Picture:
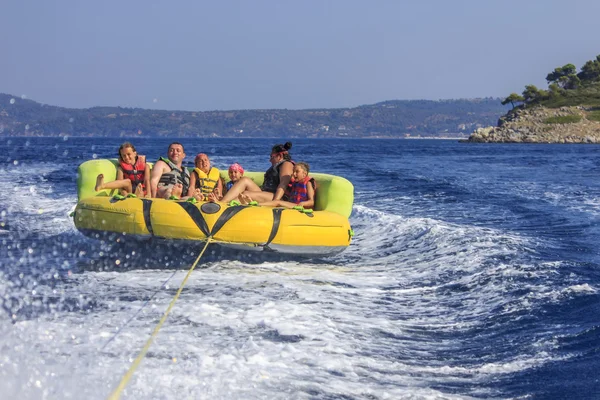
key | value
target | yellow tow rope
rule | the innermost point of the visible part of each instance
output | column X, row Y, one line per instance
column 116, row 394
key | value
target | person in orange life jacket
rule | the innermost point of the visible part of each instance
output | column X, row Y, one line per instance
column 235, row 173
column 169, row 178
column 301, row 191
column 133, row 173
column 276, row 180
column 205, row 179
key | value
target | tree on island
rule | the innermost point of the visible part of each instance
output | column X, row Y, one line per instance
column 590, row 71
column 512, row 99
column 532, row 94
column 565, row 87
column 565, row 77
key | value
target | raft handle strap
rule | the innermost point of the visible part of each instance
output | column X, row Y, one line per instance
column 147, row 205
column 225, row 217
column 303, row 210
column 276, row 221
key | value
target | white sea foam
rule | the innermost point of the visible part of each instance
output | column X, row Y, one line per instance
column 584, row 288
column 391, row 317
column 32, row 205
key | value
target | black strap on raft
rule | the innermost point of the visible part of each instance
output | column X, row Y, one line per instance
column 196, row 215
column 147, row 206
column 200, row 222
column 276, row 221
column 226, row 216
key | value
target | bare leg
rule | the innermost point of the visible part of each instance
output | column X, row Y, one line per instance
column 163, row 192
column 244, row 184
column 123, row 184
column 278, row 203
column 99, row 182
column 259, row 196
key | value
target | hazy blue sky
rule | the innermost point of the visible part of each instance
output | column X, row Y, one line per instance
column 215, row 55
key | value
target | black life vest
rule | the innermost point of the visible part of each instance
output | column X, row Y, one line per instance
column 175, row 176
column 271, row 179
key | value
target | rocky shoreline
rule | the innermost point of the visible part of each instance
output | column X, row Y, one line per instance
column 531, row 126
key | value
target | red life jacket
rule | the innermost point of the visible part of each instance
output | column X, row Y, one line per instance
column 299, row 190
column 135, row 173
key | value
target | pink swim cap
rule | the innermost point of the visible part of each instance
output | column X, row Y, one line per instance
column 236, row 167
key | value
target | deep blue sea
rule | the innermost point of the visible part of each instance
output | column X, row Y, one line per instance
column 474, row 273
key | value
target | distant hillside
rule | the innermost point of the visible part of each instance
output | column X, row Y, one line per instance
column 397, row 118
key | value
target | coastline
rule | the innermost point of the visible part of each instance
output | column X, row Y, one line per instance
column 66, row 137
column 564, row 125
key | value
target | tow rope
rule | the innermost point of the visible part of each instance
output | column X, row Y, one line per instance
column 116, row 394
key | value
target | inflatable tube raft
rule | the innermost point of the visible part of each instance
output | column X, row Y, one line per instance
column 320, row 232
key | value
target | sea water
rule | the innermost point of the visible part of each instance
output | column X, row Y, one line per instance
column 474, row 273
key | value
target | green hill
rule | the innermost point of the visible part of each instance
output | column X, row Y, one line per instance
column 397, row 118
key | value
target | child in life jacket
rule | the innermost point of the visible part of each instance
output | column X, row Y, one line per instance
column 235, row 174
column 133, row 173
column 301, row 191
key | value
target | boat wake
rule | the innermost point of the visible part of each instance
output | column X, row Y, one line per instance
column 415, row 307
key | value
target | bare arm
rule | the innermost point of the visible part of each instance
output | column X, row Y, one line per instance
column 310, row 203
column 147, row 179
column 218, row 190
column 119, row 173
column 285, row 175
column 192, row 184
column 157, row 172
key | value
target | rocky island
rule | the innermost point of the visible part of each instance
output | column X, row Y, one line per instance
column 574, row 124
column 568, row 112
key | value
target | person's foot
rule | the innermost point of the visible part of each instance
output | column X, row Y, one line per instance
column 244, row 199
column 212, row 198
column 198, row 195
column 139, row 192
column 177, row 190
column 99, row 182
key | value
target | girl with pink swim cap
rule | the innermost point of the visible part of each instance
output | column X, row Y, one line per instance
column 235, row 174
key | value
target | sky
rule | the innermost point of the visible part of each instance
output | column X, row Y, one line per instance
column 197, row 55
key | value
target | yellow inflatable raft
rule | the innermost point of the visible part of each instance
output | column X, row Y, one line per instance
column 320, row 232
